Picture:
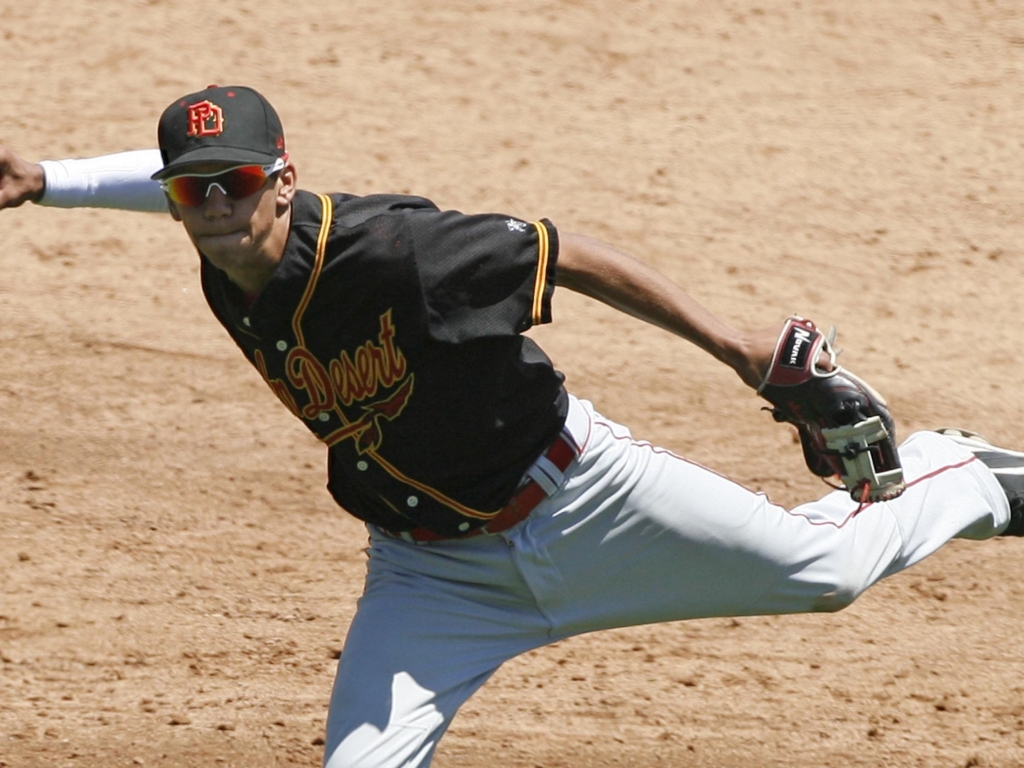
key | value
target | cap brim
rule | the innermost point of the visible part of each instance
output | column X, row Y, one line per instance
column 231, row 155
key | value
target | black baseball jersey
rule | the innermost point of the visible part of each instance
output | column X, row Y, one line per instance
column 393, row 330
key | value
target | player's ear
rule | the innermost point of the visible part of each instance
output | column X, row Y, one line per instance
column 286, row 185
column 175, row 214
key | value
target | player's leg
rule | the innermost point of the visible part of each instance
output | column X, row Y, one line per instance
column 640, row 535
column 432, row 626
column 636, row 535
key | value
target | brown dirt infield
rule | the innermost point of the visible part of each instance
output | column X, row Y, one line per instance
column 175, row 581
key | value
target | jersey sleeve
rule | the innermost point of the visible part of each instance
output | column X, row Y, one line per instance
column 120, row 180
column 483, row 275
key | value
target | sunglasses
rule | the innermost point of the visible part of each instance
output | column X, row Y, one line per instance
column 236, row 183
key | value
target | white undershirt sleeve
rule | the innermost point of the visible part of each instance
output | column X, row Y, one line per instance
column 119, row 181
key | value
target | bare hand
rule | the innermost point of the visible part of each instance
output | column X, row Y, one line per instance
column 20, row 181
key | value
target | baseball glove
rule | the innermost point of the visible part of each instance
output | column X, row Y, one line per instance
column 845, row 427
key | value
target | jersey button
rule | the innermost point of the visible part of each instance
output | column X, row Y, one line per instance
column 245, row 322
column 362, row 466
column 282, row 346
column 412, row 501
column 325, row 416
column 463, row 526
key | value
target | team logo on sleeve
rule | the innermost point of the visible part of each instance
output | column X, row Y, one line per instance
column 514, row 225
column 205, row 119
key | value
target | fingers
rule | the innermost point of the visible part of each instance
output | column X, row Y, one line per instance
column 20, row 181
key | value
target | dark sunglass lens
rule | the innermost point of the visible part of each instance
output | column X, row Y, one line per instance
column 242, row 182
column 187, row 190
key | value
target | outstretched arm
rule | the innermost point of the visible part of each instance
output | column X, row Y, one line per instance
column 120, row 180
column 590, row 267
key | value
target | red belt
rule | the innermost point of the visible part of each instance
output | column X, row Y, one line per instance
column 561, row 453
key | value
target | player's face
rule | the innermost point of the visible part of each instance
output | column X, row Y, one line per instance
column 244, row 237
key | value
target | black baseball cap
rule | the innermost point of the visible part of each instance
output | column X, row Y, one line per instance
column 226, row 124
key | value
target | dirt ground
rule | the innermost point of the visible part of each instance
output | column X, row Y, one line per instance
column 175, row 581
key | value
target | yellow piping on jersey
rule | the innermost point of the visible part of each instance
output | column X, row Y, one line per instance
column 431, row 492
column 327, row 214
column 540, row 282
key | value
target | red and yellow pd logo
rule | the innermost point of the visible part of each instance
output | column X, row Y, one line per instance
column 205, row 119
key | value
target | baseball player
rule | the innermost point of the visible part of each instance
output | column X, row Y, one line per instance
column 503, row 513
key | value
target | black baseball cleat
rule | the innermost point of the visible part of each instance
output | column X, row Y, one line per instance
column 1006, row 465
